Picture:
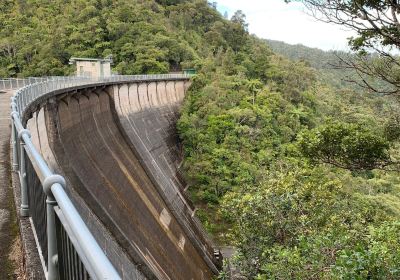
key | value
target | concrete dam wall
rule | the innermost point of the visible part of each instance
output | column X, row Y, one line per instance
column 118, row 149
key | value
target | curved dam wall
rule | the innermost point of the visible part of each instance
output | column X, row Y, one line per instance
column 117, row 147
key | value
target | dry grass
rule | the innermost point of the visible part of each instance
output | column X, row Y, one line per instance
column 16, row 257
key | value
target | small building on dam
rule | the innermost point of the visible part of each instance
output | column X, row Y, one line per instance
column 92, row 67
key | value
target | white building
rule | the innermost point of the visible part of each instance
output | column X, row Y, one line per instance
column 92, row 67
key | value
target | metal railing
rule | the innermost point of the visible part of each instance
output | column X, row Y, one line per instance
column 16, row 83
column 69, row 249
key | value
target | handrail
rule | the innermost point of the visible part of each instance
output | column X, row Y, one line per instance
column 17, row 83
column 37, row 87
column 89, row 251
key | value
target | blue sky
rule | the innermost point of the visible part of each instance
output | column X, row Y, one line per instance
column 274, row 19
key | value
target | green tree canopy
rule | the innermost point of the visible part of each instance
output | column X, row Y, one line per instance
column 344, row 145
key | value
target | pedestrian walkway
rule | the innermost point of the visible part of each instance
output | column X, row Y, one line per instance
column 8, row 223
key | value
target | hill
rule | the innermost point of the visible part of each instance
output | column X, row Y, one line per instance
column 316, row 58
column 323, row 61
column 38, row 37
column 326, row 63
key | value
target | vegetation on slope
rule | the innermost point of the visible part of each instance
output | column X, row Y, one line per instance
column 292, row 170
column 253, row 149
column 38, row 37
column 329, row 65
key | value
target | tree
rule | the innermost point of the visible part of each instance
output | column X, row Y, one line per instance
column 300, row 224
column 237, row 33
column 240, row 18
column 348, row 146
column 378, row 28
column 392, row 128
column 254, row 87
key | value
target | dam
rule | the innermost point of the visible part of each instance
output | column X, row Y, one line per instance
column 115, row 144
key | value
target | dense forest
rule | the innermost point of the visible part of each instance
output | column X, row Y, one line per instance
column 326, row 62
column 298, row 174
column 297, row 171
column 38, row 37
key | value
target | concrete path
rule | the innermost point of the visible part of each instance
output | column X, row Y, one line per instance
column 8, row 225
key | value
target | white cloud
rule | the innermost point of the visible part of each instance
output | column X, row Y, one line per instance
column 274, row 19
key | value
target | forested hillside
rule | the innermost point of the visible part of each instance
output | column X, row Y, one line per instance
column 327, row 63
column 316, row 58
column 299, row 175
column 38, row 37
column 297, row 171
column 324, row 62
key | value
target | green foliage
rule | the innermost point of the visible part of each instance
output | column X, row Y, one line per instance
column 328, row 65
column 392, row 128
column 38, row 37
column 298, row 223
column 232, row 128
column 251, row 124
column 375, row 257
column 350, row 146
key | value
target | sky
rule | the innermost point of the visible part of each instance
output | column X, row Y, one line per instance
column 276, row 20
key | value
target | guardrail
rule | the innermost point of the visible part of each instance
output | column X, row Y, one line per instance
column 69, row 249
column 16, row 83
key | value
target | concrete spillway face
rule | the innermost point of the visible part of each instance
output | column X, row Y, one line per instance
column 117, row 149
column 43, row 126
column 40, row 138
column 151, row 130
column 148, row 117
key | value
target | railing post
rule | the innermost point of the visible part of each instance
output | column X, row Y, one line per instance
column 22, row 175
column 14, row 136
column 52, row 254
column 14, row 145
